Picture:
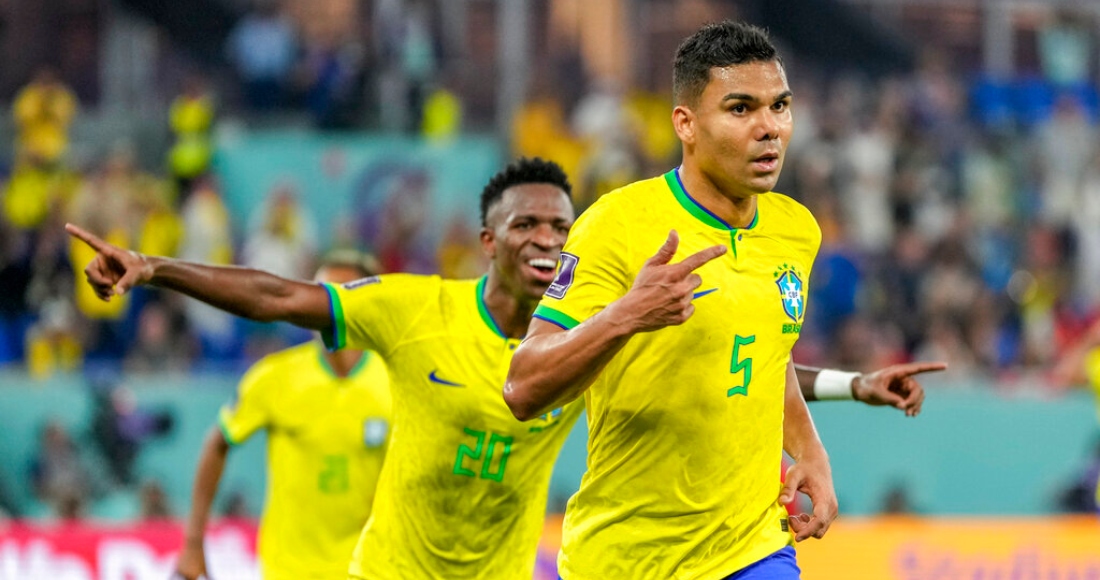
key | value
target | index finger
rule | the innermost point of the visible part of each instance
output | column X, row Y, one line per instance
column 696, row 260
column 86, row 237
column 916, row 368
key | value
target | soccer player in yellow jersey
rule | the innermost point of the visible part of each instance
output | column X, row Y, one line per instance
column 463, row 492
column 327, row 417
column 676, row 305
column 1079, row 366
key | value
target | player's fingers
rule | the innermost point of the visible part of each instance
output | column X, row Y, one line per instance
column 128, row 280
column 693, row 281
column 694, row 261
column 916, row 368
column 87, row 237
column 790, row 487
column 667, row 250
column 915, row 397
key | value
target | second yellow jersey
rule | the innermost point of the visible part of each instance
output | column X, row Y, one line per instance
column 463, row 494
column 327, row 438
column 685, row 423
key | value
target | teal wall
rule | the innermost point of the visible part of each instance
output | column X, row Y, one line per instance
column 354, row 177
column 970, row 452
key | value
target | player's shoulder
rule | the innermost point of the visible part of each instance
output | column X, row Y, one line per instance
column 271, row 371
column 796, row 219
column 624, row 205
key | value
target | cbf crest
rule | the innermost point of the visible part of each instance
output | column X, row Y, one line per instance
column 789, row 281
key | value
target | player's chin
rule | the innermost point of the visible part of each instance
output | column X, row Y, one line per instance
column 536, row 288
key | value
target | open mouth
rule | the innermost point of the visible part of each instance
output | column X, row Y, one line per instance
column 543, row 268
column 766, row 162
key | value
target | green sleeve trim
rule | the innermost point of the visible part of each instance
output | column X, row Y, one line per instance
column 225, row 430
column 336, row 337
column 553, row 316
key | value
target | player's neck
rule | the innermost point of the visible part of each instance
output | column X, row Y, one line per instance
column 343, row 362
column 512, row 314
column 736, row 210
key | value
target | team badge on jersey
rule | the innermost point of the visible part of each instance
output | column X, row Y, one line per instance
column 790, row 292
column 375, row 431
column 567, row 265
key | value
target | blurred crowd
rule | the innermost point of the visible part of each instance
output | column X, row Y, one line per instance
column 960, row 214
column 956, row 226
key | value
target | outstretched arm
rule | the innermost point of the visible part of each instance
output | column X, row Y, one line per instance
column 245, row 292
column 554, row 366
column 895, row 385
column 192, row 561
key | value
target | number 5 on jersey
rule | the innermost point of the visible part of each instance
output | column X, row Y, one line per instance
column 737, row 365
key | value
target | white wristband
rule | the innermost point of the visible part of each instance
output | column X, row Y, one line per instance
column 833, row 385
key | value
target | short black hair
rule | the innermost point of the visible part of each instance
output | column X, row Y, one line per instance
column 521, row 171
column 718, row 44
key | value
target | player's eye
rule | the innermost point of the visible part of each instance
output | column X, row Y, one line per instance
column 781, row 106
column 739, row 108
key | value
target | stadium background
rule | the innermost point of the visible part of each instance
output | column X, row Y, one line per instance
column 949, row 150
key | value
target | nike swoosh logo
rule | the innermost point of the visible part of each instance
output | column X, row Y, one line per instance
column 444, row 382
column 703, row 293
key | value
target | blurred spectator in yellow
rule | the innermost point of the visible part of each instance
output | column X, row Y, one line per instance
column 33, row 189
column 539, row 129
column 159, row 228
column 190, row 117
column 43, row 111
column 53, row 343
column 442, row 116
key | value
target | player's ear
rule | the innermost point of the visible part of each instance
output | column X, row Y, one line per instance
column 488, row 242
column 683, row 121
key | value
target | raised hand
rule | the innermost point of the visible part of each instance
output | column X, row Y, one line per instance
column 662, row 292
column 815, row 479
column 113, row 271
column 895, row 385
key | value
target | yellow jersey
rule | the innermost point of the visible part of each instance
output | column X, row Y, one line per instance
column 463, row 494
column 326, row 442
column 685, row 423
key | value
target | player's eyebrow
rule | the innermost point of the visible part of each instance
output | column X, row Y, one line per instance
column 753, row 99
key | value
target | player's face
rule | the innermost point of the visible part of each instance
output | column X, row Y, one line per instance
column 738, row 131
column 525, row 233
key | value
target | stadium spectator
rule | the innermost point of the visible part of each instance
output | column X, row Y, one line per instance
column 263, row 48
column 58, row 474
column 191, row 118
column 43, row 111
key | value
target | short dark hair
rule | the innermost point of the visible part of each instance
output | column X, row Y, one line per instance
column 718, row 44
column 363, row 263
column 521, row 171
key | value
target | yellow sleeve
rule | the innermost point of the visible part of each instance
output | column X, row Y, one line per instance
column 1092, row 371
column 375, row 313
column 592, row 270
column 251, row 409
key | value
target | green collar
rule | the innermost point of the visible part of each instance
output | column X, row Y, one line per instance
column 483, row 309
column 672, row 178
